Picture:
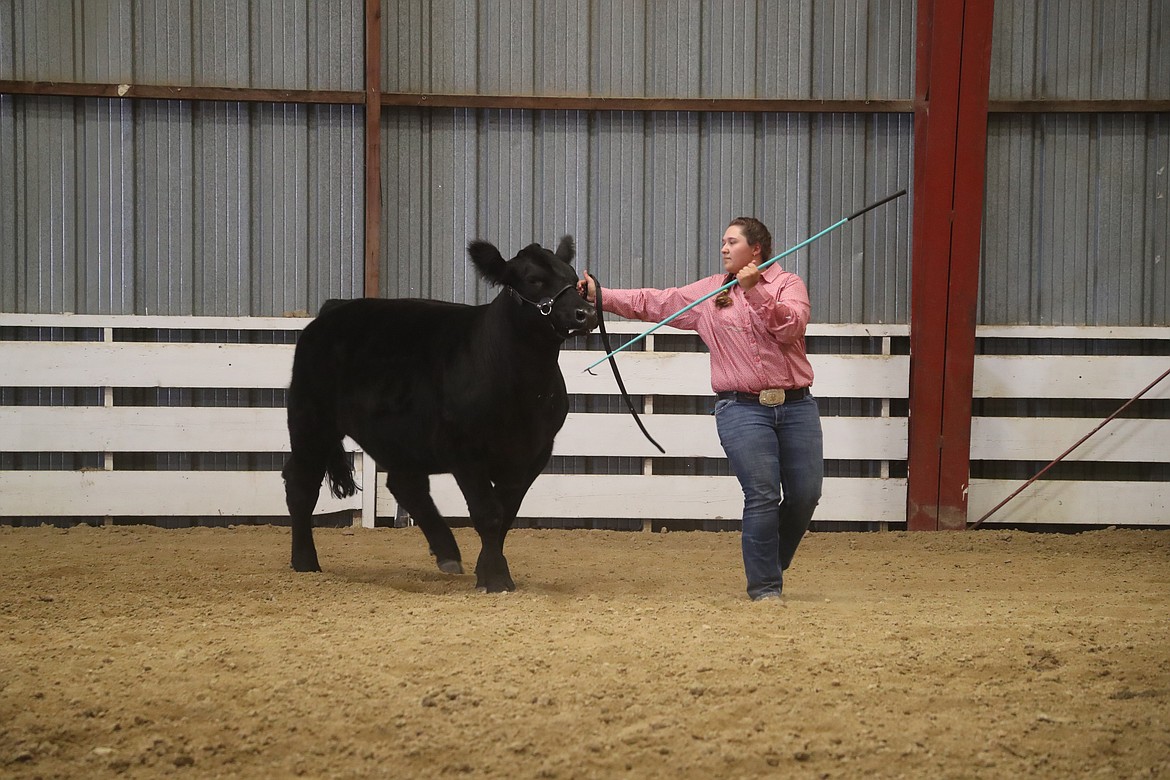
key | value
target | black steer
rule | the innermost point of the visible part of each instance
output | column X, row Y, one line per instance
column 428, row 387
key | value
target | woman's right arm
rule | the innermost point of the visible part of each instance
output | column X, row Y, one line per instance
column 648, row 304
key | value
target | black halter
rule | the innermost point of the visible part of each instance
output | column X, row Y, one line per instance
column 544, row 305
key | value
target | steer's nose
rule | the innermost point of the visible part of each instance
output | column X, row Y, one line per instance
column 586, row 317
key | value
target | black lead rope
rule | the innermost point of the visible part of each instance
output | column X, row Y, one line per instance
column 613, row 364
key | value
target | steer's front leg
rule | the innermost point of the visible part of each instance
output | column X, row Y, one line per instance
column 491, row 569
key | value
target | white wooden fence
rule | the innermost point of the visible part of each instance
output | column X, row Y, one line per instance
column 118, row 361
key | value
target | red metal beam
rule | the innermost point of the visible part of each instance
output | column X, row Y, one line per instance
column 966, row 232
column 950, row 136
column 373, row 150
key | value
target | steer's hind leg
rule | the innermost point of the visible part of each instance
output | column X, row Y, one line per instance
column 302, row 484
column 413, row 491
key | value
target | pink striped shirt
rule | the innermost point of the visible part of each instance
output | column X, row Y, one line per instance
column 756, row 343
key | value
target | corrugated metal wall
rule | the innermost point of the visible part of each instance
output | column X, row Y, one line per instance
column 165, row 207
column 1077, row 210
column 1076, row 220
column 821, row 49
column 647, row 194
column 233, row 208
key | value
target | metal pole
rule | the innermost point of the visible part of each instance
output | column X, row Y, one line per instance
column 371, row 286
column 1065, row 454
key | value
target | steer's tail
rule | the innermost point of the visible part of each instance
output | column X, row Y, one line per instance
column 340, row 472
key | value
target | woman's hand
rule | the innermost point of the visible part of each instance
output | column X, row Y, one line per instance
column 587, row 289
column 748, row 276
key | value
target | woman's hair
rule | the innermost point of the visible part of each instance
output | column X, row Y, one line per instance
column 755, row 232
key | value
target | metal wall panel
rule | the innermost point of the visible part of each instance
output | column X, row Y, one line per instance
column 1076, row 220
column 507, row 48
column 220, row 31
column 890, row 50
column 840, row 50
column 647, row 196
column 674, row 40
column 43, row 195
column 616, row 243
column 249, row 209
column 675, row 245
column 169, row 207
column 223, row 195
column 165, row 218
column 105, row 166
column 170, row 48
column 277, row 44
column 825, row 49
column 1156, row 266
column 1081, row 50
column 8, row 218
column 560, row 190
column 41, row 41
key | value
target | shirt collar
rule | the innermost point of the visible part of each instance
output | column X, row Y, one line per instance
column 771, row 272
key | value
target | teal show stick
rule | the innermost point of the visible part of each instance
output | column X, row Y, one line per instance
column 764, row 265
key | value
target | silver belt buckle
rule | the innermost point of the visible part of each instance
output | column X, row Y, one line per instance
column 772, row 397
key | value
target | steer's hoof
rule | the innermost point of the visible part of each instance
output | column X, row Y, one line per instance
column 450, row 566
column 306, row 565
column 496, row 585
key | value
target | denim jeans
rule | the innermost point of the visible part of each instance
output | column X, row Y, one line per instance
column 776, row 453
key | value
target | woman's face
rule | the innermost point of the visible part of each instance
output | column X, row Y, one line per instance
column 737, row 252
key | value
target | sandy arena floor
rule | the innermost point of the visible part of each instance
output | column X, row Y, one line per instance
column 137, row 652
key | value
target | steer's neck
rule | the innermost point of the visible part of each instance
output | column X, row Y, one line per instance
column 521, row 331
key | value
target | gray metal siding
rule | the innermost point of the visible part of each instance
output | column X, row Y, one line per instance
column 236, row 209
column 1076, row 214
column 647, row 196
column 277, row 44
column 1076, row 220
column 828, row 49
column 1081, row 49
column 164, row 207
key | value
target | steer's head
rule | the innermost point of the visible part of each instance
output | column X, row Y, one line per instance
column 542, row 282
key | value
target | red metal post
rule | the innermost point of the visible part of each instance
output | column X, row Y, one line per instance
column 373, row 149
column 966, row 233
column 950, row 137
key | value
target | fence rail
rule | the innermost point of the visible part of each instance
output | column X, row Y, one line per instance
column 105, row 355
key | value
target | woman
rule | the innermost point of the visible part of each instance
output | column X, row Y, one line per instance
column 767, row 420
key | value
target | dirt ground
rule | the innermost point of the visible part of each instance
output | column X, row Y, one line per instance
column 138, row 652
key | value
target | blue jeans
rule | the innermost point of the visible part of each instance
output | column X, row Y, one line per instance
column 777, row 454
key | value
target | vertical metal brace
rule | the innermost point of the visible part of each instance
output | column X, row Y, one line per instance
column 108, row 403
column 885, row 464
column 368, row 514
column 648, row 408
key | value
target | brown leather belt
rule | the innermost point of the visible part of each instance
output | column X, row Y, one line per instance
column 771, row 397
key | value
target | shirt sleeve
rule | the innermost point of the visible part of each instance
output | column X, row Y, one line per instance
column 650, row 305
column 783, row 310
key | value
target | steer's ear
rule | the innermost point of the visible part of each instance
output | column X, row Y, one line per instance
column 567, row 250
column 488, row 261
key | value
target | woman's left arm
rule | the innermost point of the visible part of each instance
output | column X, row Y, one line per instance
column 781, row 308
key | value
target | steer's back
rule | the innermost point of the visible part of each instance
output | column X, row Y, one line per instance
column 419, row 384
